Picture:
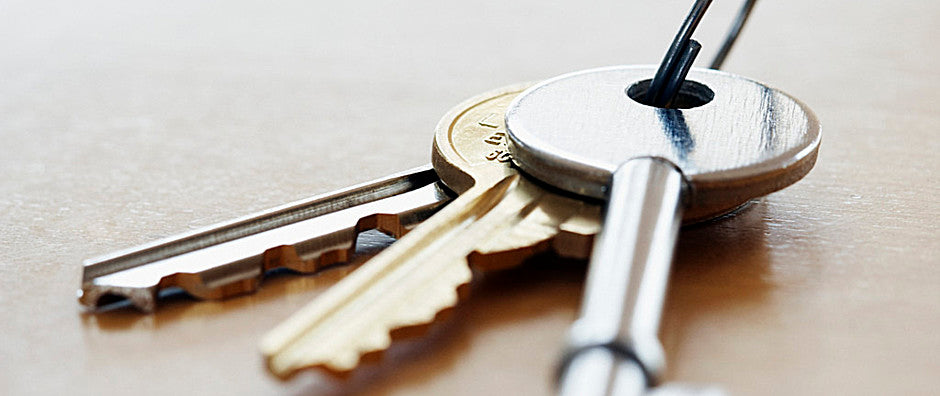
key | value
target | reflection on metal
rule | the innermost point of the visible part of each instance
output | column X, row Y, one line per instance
column 677, row 131
column 231, row 258
column 582, row 133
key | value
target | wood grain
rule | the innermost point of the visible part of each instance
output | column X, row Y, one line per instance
column 124, row 122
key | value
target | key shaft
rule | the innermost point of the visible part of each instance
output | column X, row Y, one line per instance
column 626, row 283
column 230, row 258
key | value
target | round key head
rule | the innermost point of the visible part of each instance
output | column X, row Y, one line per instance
column 733, row 138
column 470, row 142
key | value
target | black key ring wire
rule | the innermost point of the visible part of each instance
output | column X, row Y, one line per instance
column 681, row 54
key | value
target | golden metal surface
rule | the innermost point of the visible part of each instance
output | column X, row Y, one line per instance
column 416, row 279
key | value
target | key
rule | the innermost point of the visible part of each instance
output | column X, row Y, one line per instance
column 230, row 258
column 498, row 219
column 727, row 140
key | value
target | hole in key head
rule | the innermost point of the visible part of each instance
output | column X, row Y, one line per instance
column 691, row 95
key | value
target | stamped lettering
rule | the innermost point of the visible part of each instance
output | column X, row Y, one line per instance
column 496, row 138
column 499, row 155
column 490, row 121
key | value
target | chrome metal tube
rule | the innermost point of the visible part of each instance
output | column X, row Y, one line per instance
column 613, row 345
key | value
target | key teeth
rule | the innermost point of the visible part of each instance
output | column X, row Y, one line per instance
column 95, row 297
column 418, row 187
column 378, row 341
column 341, row 367
column 403, row 288
column 144, row 298
column 333, row 370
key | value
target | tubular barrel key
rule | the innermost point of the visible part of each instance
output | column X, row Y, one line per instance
column 726, row 140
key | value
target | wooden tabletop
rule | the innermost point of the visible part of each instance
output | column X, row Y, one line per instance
column 122, row 123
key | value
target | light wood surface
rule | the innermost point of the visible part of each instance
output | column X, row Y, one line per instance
column 121, row 123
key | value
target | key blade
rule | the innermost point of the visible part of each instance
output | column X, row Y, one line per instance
column 406, row 287
column 230, row 258
column 409, row 284
column 562, row 225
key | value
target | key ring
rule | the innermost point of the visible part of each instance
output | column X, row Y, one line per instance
column 683, row 51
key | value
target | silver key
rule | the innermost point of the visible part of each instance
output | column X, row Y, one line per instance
column 231, row 258
column 733, row 140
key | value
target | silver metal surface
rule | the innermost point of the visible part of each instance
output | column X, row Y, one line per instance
column 229, row 258
column 728, row 140
column 574, row 130
column 626, row 282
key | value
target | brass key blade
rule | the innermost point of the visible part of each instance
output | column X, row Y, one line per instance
column 405, row 285
column 499, row 221
column 559, row 224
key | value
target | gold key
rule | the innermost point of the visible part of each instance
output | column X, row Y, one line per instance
column 499, row 213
